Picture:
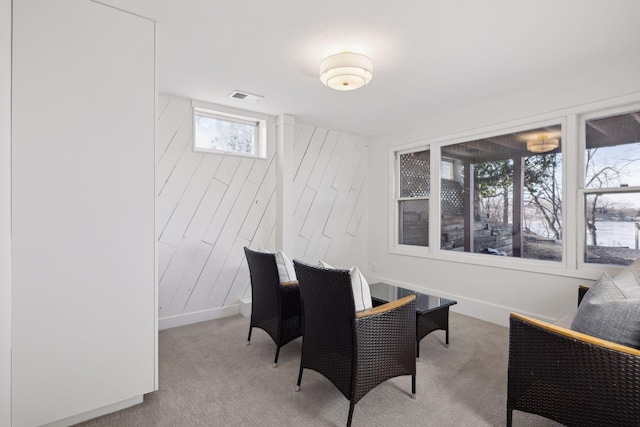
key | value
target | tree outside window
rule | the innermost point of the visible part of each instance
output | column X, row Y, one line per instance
column 505, row 200
column 612, row 189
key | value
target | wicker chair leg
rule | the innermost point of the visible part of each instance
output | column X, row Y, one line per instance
column 413, row 386
column 299, row 378
column 275, row 361
column 351, row 406
column 509, row 417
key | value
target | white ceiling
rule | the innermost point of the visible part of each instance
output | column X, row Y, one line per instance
column 430, row 56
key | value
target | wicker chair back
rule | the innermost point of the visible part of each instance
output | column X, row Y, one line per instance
column 275, row 309
column 328, row 345
column 356, row 352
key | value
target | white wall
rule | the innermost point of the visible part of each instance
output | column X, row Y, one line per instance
column 83, row 243
column 210, row 206
column 486, row 292
column 5, row 212
column 330, row 196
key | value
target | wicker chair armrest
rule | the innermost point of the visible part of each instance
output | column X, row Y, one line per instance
column 577, row 335
column 292, row 283
column 570, row 377
column 385, row 307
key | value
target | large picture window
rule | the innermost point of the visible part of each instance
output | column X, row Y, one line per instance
column 612, row 189
column 502, row 195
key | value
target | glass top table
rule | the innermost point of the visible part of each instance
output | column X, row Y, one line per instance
column 432, row 312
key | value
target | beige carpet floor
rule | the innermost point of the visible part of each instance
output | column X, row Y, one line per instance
column 210, row 377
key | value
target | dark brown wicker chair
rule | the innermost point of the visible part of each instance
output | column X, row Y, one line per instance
column 355, row 351
column 570, row 377
column 275, row 306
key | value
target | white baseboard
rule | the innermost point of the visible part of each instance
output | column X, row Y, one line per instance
column 245, row 307
column 198, row 316
column 96, row 412
column 470, row 307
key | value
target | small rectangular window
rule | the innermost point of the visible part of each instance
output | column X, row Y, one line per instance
column 218, row 131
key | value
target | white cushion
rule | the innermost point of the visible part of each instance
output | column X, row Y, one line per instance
column 286, row 271
column 360, row 287
column 285, row 268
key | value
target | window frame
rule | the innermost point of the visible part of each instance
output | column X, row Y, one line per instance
column 583, row 192
column 220, row 112
column 394, row 210
column 433, row 250
column 521, row 263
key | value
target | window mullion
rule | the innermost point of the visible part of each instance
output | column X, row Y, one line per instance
column 572, row 206
column 434, row 203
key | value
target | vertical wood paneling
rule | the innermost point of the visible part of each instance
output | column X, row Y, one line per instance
column 211, row 206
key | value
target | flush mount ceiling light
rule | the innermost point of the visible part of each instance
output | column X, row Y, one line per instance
column 542, row 144
column 346, row 71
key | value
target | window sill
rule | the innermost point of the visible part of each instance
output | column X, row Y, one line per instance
column 508, row 263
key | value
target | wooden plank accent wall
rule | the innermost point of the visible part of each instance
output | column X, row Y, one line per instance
column 330, row 196
column 210, row 206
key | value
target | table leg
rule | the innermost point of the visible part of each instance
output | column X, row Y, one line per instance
column 431, row 321
column 447, row 328
column 417, row 339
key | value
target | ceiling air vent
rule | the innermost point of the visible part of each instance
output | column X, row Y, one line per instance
column 244, row 96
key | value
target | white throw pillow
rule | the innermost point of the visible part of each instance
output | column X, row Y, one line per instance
column 286, row 271
column 360, row 287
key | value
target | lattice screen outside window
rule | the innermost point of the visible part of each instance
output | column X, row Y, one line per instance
column 413, row 198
